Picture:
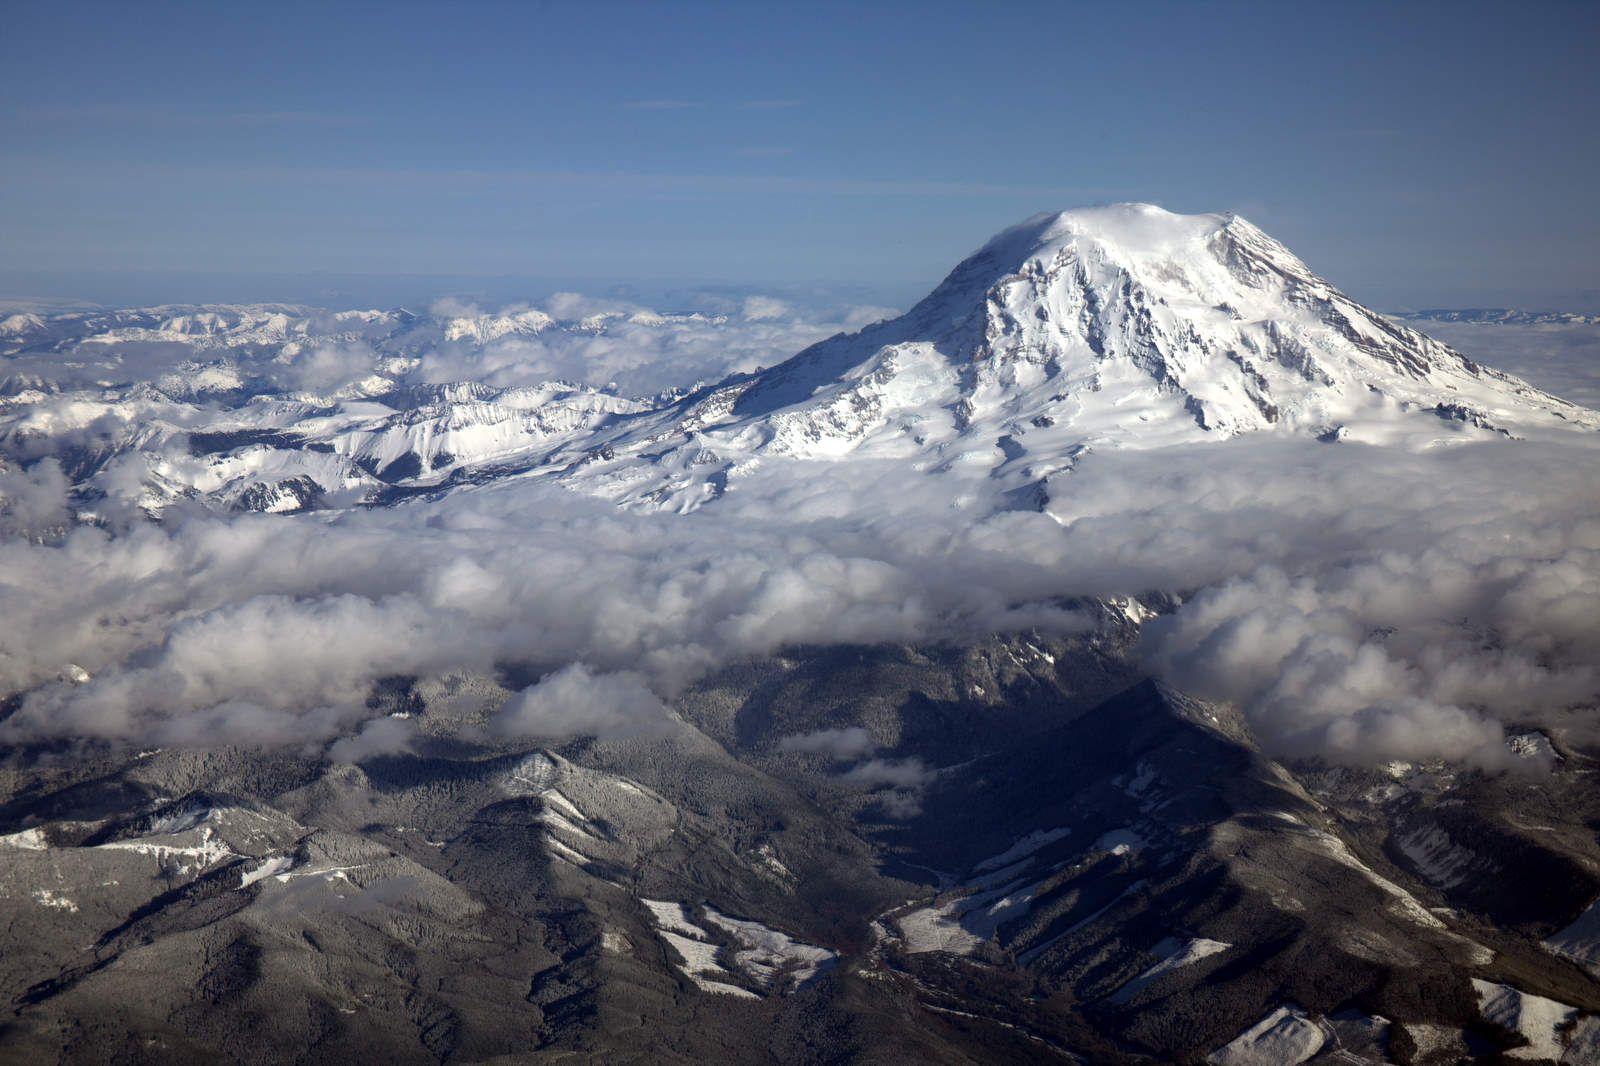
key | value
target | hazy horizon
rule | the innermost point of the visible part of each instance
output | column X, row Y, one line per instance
column 1410, row 155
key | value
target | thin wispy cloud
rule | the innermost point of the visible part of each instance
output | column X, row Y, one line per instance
column 176, row 118
column 672, row 104
column 1369, row 133
column 660, row 105
column 643, row 183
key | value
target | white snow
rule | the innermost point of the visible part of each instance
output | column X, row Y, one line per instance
column 961, row 924
column 1583, row 1042
column 1025, row 845
column 1131, row 609
column 1119, row 841
column 562, row 850
column 1436, row 857
column 696, row 954
column 556, row 820
column 1533, row 746
column 1115, row 327
column 1144, row 776
column 1534, row 1017
column 180, row 820
column 27, row 840
column 1407, row 904
column 536, row 775
column 773, row 958
column 208, row 850
column 554, row 798
column 269, row 867
column 672, row 916
column 46, row 898
column 768, row 857
column 721, row 989
column 1174, row 954
column 1285, row 1037
column 1125, row 327
column 937, row 928
column 1580, row 941
column 330, row 872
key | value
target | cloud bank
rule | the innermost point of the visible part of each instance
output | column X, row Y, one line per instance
column 1360, row 603
column 1561, row 358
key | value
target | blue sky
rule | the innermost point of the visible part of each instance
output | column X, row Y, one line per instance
column 1418, row 155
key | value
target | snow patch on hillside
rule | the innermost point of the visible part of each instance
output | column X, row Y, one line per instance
column 1536, row 1018
column 1286, row 1036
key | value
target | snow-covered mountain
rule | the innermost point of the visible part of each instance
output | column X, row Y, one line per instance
column 231, row 328
column 816, row 772
column 1502, row 316
column 1114, row 327
column 283, row 407
column 1124, row 326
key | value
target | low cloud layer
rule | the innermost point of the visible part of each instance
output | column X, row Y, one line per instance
column 574, row 701
column 1562, row 358
column 1359, row 603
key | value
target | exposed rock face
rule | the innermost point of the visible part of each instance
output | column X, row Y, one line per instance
column 1045, row 860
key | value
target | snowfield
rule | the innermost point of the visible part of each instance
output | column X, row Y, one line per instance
column 773, row 961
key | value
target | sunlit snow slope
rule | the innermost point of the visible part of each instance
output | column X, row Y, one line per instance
column 1123, row 326
column 1112, row 327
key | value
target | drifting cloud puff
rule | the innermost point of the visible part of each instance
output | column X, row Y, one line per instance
column 33, row 501
column 324, row 368
column 573, row 701
column 897, row 784
column 379, row 736
column 847, row 743
column 888, row 773
column 762, row 308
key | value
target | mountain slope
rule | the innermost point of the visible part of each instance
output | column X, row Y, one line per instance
column 1078, row 871
column 1114, row 327
column 1124, row 326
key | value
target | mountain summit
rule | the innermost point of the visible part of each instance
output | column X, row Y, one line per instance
column 1120, row 326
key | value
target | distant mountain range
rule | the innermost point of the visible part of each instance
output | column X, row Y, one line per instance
column 1502, row 316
